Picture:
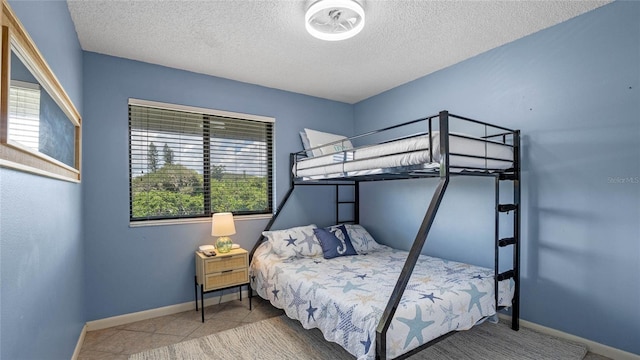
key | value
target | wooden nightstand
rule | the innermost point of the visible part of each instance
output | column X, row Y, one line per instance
column 220, row 272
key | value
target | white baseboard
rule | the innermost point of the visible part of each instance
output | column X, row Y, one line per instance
column 76, row 352
column 592, row 346
column 162, row 311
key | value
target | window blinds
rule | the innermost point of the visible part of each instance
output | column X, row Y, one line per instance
column 24, row 114
column 190, row 164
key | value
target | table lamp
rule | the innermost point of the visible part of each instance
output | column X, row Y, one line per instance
column 222, row 225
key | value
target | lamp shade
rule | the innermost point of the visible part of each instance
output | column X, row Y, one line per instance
column 222, row 224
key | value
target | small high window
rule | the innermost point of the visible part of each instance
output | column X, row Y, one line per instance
column 24, row 114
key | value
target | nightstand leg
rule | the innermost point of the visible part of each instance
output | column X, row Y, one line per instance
column 195, row 287
column 249, row 288
column 202, row 301
column 240, row 291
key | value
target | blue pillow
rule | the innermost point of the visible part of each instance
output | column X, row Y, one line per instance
column 335, row 242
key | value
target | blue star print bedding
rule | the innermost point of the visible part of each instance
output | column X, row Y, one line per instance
column 345, row 296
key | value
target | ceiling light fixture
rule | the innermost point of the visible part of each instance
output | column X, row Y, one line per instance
column 334, row 20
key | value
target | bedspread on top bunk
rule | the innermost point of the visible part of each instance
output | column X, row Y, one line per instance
column 409, row 153
column 345, row 296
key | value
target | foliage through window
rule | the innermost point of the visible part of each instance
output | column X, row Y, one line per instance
column 190, row 162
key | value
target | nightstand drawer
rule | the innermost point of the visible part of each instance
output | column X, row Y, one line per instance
column 226, row 278
column 223, row 263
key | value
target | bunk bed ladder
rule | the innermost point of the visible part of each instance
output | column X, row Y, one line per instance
column 353, row 201
column 511, row 209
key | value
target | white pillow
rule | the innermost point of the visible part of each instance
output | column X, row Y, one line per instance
column 295, row 242
column 305, row 143
column 361, row 240
column 318, row 138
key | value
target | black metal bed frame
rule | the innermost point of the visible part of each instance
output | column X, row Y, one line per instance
column 443, row 173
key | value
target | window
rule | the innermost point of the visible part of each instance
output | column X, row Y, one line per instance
column 189, row 162
column 24, row 114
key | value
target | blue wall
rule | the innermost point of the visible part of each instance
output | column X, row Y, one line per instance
column 41, row 266
column 134, row 269
column 573, row 90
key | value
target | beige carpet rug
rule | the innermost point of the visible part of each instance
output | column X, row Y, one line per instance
column 281, row 338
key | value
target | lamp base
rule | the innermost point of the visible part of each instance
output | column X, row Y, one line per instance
column 224, row 244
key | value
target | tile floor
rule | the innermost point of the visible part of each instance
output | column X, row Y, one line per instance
column 119, row 342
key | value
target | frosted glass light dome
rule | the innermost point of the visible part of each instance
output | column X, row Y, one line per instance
column 334, row 20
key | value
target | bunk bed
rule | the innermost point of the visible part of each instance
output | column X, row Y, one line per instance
column 366, row 302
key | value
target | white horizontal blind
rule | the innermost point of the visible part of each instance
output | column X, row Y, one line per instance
column 24, row 114
column 191, row 164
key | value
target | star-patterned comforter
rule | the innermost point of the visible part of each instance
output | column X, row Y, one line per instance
column 344, row 297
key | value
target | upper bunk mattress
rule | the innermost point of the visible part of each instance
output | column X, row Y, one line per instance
column 410, row 153
column 345, row 296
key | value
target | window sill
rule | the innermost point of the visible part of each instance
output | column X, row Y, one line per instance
column 194, row 220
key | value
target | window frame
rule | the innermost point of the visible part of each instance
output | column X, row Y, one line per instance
column 207, row 211
column 15, row 40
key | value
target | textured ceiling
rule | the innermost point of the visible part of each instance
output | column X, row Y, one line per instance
column 264, row 42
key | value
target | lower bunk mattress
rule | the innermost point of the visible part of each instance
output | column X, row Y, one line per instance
column 345, row 296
